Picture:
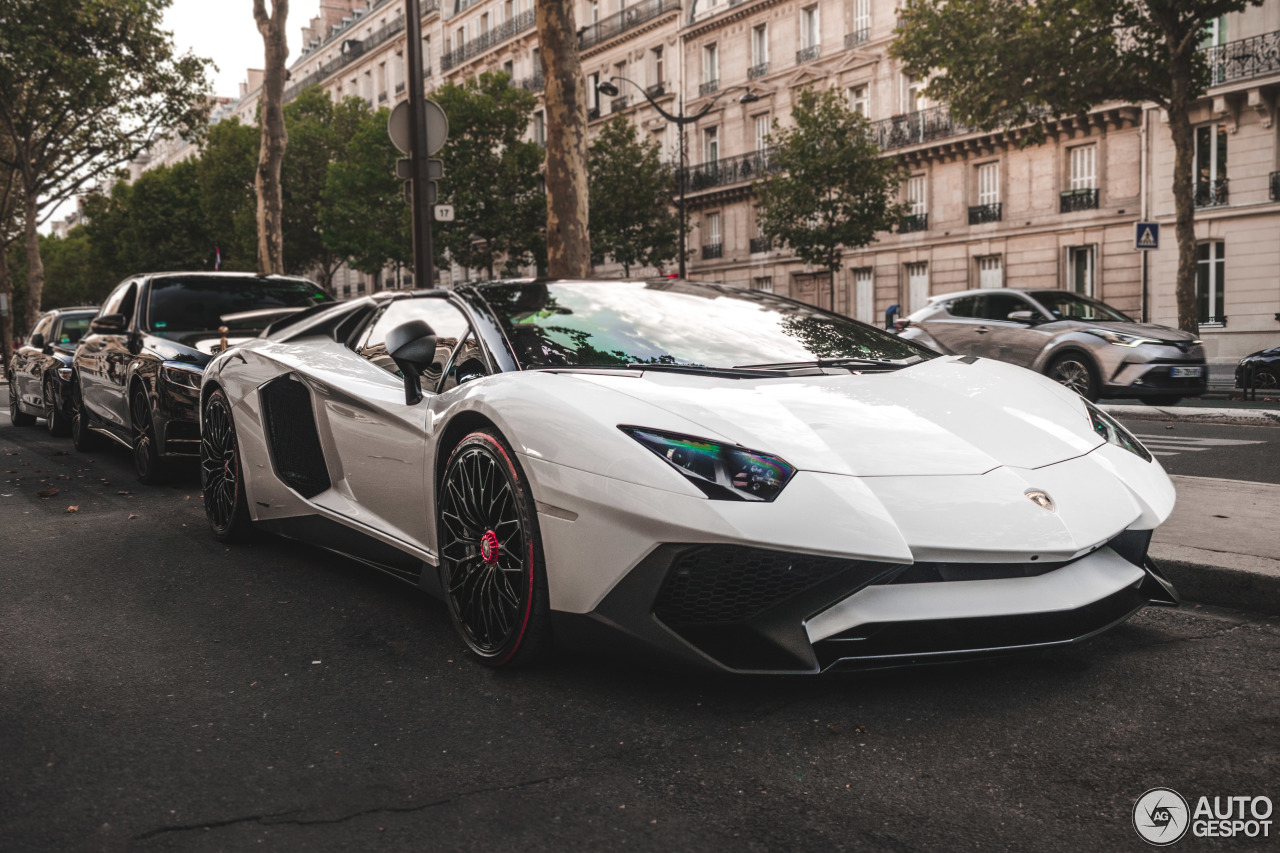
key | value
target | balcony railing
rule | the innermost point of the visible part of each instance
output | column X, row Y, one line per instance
column 708, row 87
column 382, row 96
column 760, row 244
column 1070, row 201
column 1211, row 193
column 399, row 88
column 916, row 127
column 657, row 90
column 808, row 54
column 758, row 70
column 1244, row 59
column 593, row 113
column 628, row 18
column 1275, row 186
column 712, row 251
column 507, row 29
column 730, row 170
column 390, row 30
column 857, row 37
column 618, row 104
column 913, row 222
column 980, row 214
column 536, row 83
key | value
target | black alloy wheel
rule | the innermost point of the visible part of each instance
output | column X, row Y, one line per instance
column 491, row 563
column 16, row 416
column 1075, row 372
column 146, row 451
column 54, row 419
column 221, row 477
column 1264, row 379
column 84, row 439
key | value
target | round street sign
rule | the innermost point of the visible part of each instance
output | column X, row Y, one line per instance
column 437, row 126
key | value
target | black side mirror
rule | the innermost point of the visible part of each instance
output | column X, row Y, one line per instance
column 108, row 324
column 412, row 346
column 37, row 340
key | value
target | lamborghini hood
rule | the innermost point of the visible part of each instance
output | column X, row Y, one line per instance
column 947, row 416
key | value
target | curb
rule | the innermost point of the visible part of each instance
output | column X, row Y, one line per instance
column 1195, row 414
column 1223, row 587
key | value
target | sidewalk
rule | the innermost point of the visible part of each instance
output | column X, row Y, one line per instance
column 1220, row 545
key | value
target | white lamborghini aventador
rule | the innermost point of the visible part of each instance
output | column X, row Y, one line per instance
column 696, row 473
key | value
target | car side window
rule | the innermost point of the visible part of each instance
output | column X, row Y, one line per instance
column 122, row 301
column 71, row 330
column 43, row 328
column 1000, row 305
column 448, row 322
column 966, row 306
column 467, row 365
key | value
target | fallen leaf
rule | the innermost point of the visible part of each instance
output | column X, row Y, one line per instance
column 122, row 493
column 73, row 509
column 48, row 493
column 131, row 515
column 60, row 453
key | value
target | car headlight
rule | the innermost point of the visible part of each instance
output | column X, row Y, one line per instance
column 721, row 471
column 1121, row 339
column 182, row 375
column 1109, row 428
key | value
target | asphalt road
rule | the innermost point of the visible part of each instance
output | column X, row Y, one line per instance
column 159, row 691
column 1213, row 450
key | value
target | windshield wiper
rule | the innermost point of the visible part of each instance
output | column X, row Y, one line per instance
column 836, row 362
column 696, row 369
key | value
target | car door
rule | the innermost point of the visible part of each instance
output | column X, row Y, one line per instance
column 379, row 446
column 102, row 360
column 26, row 364
column 1010, row 340
column 954, row 324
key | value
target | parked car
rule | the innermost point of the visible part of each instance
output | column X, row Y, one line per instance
column 1265, row 364
column 1081, row 342
column 40, row 369
column 698, row 473
column 136, row 374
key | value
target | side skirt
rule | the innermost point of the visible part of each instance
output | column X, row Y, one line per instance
column 340, row 539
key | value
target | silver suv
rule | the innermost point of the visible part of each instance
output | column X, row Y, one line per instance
column 1083, row 343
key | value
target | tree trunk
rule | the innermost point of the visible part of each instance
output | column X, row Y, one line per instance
column 274, row 137
column 568, row 240
column 35, row 266
column 6, row 321
column 1184, row 193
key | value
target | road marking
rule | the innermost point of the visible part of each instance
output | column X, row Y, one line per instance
column 1172, row 445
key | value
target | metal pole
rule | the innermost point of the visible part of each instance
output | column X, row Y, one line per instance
column 682, row 177
column 422, row 252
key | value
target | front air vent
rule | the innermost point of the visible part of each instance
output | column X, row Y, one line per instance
column 290, row 422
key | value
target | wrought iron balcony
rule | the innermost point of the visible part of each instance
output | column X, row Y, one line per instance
column 593, row 113
column 382, row 96
column 913, row 222
column 857, row 37
column 618, row 104
column 657, row 90
column 708, row 87
column 1070, row 201
column 507, row 29
column 629, row 18
column 730, row 170
column 1211, row 193
column 536, row 83
column 712, row 251
column 980, row 214
column 758, row 70
column 399, row 88
column 1275, row 186
column 1244, row 59
column 808, row 54
column 916, row 127
column 761, row 244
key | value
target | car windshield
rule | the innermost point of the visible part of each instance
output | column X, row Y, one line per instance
column 1072, row 306
column 180, row 306
column 73, row 328
column 678, row 323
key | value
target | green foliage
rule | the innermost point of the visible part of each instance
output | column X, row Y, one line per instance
column 491, row 176
column 364, row 217
column 833, row 190
column 228, row 200
column 71, row 276
column 632, row 220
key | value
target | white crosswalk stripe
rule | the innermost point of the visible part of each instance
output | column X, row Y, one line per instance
column 1172, row 445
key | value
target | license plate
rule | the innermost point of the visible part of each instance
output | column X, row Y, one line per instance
column 1188, row 372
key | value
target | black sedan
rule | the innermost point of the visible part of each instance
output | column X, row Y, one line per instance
column 1265, row 366
column 136, row 374
column 40, row 370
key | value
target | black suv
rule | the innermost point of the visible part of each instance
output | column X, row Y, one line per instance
column 136, row 374
column 40, row 370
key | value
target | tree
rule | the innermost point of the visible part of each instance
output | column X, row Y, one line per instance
column 274, row 136
column 568, row 238
column 364, row 216
column 10, row 231
column 228, row 196
column 85, row 86
column 491, row 176
column 631, row 216
column 831, row 189
column 73, row 277
column 1013, row 63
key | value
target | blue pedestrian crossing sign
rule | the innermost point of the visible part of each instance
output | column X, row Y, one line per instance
column 1146, row 236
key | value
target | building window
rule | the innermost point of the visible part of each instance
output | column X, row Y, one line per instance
column 1084, row 174
column 1210, row 280
column 764, row 282
column 917, row 286
column 1080, row 270
column 711, row 145
column 710, row 69
column 760, row 45
column 862, row 19
column 712, row 242
column 990, row 272
column 989, row 183
column 810, row 34
column 864, row 295
column 762, row 132
column 593, row 95
column 860, row 100
column 656, row 65
column 593, row 14
column 540, row 128
column 913, row 99
column 917, row 204
column 509, row 68
column 1211, row 165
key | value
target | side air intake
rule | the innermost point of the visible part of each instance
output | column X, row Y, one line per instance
column 291, row 431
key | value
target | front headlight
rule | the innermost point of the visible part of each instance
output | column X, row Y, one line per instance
column 721, row 471
column 1121, row 339
column 1109, row 428
column 182, row 375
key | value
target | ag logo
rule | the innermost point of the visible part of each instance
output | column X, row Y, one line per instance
column 1161, row 816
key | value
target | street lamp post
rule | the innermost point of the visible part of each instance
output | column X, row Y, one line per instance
column 610, row 89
